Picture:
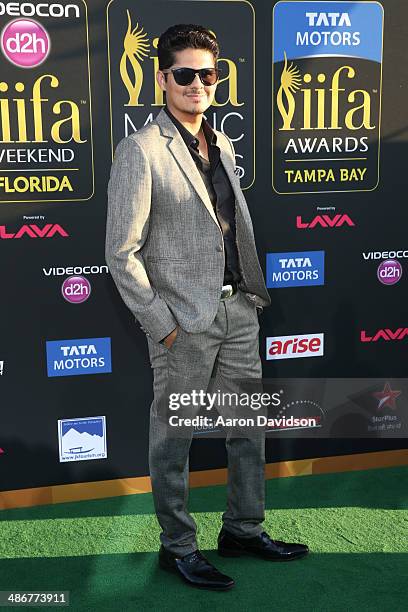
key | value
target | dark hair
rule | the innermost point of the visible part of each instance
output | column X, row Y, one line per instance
column 184, row 36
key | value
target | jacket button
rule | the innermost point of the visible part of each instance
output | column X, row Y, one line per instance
column 219, row 248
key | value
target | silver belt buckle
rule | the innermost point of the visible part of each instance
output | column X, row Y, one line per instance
column 226, row 291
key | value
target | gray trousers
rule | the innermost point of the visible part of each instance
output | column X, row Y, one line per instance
column 228, row 350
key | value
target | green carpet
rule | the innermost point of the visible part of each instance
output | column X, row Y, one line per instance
column 105, row 551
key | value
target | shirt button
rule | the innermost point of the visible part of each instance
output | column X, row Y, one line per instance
column 219, row 248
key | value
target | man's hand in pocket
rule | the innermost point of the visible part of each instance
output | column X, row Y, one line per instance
column 168, row 340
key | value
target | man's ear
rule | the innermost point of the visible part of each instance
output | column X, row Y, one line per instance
column 161, row 80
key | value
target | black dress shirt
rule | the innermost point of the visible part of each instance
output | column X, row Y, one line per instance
column 219, row 190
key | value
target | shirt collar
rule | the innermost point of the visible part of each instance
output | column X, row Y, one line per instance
column 188, row 137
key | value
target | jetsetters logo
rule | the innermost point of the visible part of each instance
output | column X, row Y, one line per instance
column 327, row 59
column 136, row 98
column 46, row 152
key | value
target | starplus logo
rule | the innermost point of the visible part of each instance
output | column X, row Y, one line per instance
column 387, row 397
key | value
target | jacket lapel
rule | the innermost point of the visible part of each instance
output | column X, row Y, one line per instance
column 183, row 158
column 229, row 169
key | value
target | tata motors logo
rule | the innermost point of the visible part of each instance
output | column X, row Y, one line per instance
column 46, row 148
column 327, row 75
column 76, row 357
column 82, row 439
column 292, row 347
column 294, row 269
column 136, row 98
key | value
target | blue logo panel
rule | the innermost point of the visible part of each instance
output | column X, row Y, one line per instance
column 348, row 29
column 295, row 269
column 79, row 356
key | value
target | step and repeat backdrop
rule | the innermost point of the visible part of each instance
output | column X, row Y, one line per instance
column 314, row 96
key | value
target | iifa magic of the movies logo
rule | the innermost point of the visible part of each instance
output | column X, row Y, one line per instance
column 136, row 48
column 45, row 117
column 136, row 97
column 327, row 87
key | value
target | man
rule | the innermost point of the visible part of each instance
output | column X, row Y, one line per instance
column 180, row 247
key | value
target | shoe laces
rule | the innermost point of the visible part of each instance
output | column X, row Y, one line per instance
column 195, row 557
column 267, row 537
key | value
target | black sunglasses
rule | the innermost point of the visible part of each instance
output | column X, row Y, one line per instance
column 185, row 76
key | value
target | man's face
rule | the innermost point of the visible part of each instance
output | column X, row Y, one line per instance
column 190, row 99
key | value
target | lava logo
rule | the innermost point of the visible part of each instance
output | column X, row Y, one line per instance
column 324, row 221
column 295, row 269
column 76, row 289
column 327, row 76
column 135, row 96
column 291, row 347
column 33, row 231
column 82, row 439
column 76, row 357
column 385, row 334
column 386, row 398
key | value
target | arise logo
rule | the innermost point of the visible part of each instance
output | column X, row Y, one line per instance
column 291, row 347
column 324, row 221
column 384, row 334
column 33, row 231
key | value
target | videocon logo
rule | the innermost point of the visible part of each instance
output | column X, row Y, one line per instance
column 136, row 97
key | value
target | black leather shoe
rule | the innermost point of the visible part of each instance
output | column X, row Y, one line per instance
column 195, row 570
column 262, row 546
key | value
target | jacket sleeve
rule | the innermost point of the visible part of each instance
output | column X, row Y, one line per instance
column 129, row 203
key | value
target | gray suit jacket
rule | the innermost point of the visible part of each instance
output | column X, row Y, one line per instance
column 164, row 246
